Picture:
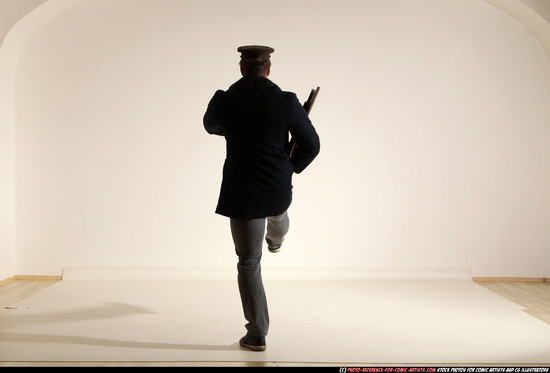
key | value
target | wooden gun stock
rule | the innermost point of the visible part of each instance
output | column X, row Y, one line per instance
column 307, row 106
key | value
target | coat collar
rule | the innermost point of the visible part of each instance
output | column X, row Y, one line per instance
column 253, row 82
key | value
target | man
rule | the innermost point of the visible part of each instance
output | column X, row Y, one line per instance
column 255, row 116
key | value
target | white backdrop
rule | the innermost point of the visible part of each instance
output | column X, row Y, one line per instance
column 433, row 117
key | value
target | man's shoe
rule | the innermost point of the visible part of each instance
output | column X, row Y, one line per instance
column 273, row 247
column 253, row 343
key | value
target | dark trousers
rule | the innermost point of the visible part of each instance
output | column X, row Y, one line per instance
column 248, row 236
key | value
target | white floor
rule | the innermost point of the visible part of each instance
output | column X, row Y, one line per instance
column 323, row 316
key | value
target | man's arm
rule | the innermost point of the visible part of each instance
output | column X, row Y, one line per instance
column 210, row 120
column 307, row 107
column 304, row 135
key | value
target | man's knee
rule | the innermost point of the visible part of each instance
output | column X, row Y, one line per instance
column 249, row 264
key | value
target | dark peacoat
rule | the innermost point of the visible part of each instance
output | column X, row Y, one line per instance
column 255, row 116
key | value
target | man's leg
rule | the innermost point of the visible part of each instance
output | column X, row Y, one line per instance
column 248, row 237
column 277, row 228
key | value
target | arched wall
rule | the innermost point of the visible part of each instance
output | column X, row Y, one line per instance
column 533, row 14
column 17, row 28
column 433, row 118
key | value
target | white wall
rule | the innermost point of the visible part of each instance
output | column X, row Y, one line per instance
column 7, row 183
column 433, row 118
column 15, row 27
column 11, row 11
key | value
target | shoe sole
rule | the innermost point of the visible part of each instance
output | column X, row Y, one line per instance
column 253, row 347
column 274, row 249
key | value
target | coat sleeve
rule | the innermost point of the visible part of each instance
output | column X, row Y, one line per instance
column 211, row 121
column 304, row 135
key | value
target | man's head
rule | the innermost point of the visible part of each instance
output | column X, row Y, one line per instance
column 255, row 60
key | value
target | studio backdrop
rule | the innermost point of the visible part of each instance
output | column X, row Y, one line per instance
column 433, row 115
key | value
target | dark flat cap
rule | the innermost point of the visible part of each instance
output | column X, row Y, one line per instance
column 255, row 51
